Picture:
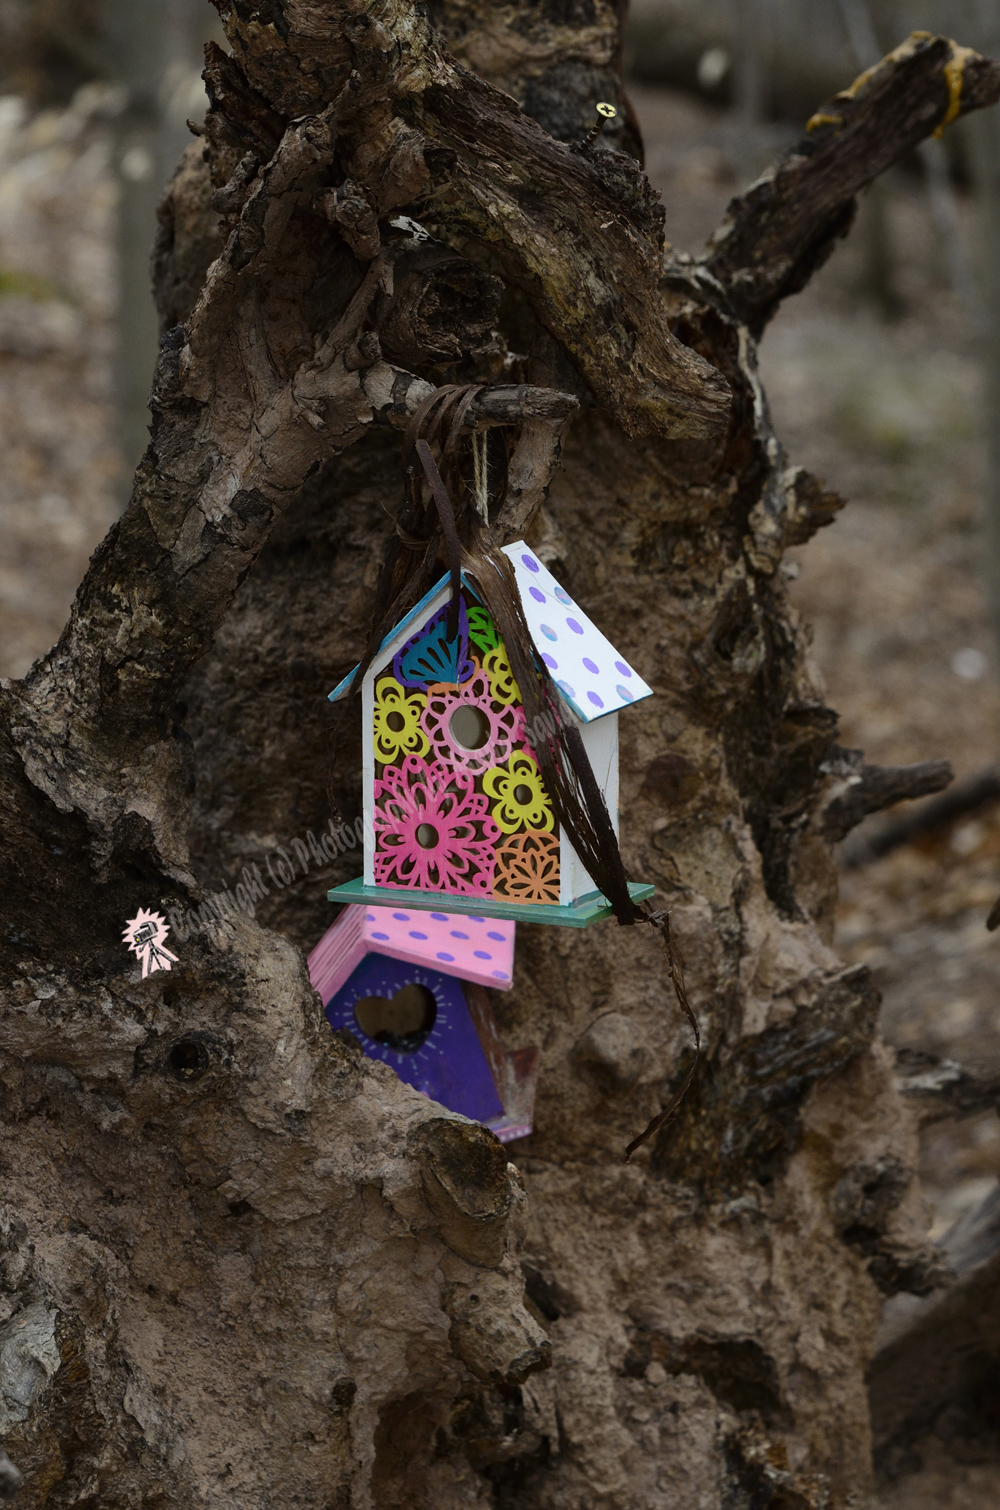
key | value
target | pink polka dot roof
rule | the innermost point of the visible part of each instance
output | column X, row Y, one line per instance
column 472, row 948
column 585, row 666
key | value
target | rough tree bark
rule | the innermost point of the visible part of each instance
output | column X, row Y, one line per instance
column 244, row 1266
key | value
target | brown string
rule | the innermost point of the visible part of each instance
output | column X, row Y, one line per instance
column 664, row 1117
column 577, row 800
column 402, row 580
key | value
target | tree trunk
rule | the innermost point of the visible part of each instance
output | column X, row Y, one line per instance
column 244, row 1265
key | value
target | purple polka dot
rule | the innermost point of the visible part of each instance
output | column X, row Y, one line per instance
column 565, row 687
column 456, row 935
column 572, row 624
column 440, row 917
column 415, row 935
column 384, row 937
column 551, row 662
column 563, row 596
column 401, row 917
column 625, row 693
column 481, row 954
column 537, row 594
column 475, row 919
column 593, row 697
column 499, row 975
column 530, row 563
column 498, row 936
column 369, row 917
column 549, row 634
column 591, row 665
column 621, row 667
column 450, row 958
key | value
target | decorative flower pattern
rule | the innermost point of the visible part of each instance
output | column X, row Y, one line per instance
column 460, row 805
column 430, row 656
column 396, row 721
column 482, row 631
column 520, row 798
column 503, row 687
column 501, row 729
column 527, row 869
column 432, row 829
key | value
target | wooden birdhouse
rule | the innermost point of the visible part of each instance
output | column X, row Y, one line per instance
column 455, row 809
column 410, row 987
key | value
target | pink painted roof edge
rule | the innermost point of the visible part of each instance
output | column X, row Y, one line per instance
column 469, row 948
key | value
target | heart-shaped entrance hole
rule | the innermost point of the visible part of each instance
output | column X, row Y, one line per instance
column 402, row 1022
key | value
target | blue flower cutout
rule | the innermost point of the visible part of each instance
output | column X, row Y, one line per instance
column 429, row 657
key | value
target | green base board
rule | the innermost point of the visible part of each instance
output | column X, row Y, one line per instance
column 590, row 910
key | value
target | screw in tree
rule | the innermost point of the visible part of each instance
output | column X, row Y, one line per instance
column 605, row 113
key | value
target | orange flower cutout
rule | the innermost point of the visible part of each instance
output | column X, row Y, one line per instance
column 527, row 869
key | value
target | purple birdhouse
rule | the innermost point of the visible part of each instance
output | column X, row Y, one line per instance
column 409, row 986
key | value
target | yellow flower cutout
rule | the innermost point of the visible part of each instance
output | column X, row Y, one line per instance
column 521, row 799
column 396, row 721
column 503, row 688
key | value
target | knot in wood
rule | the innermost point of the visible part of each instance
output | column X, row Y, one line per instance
column 464, row 1172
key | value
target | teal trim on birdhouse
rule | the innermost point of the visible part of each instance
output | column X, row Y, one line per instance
column 586, row 910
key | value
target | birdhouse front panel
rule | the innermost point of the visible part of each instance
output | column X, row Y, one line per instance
column 417, row 1021
column 457, row 800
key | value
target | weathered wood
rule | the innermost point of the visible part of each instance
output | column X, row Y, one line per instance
column 964, row 797
column 327, row 1258
column 786, row 225
column 943, row 1088
column 872, row 788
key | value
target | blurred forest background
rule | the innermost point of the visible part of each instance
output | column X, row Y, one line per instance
column 884, row 378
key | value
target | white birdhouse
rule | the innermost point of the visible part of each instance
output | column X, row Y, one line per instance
column 456, row 814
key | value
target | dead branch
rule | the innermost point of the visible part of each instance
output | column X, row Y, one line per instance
column 965, row 797
column 785, row 226
column 942, row 1088
column 872, row 788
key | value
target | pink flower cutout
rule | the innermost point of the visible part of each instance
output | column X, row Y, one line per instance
column 494, row 730
column 433, row 830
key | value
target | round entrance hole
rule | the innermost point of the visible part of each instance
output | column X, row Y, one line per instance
column 523, row 795
column 427, row 836
column 396, row 722
column 187, row 1059
column 469, row 727
column 402, row 1022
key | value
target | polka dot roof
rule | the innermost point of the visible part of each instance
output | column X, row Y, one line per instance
column 586, row 667
column 472, row 948
column 591, row 675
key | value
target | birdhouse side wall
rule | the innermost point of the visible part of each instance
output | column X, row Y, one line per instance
column 600, row 740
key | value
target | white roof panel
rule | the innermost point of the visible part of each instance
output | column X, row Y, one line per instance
column 586, row 667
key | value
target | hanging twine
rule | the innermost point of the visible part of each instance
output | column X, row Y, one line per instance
column 480, row 465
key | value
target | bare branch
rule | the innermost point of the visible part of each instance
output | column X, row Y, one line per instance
column 942, row 1088
column 873, row 788
column 784, row 227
